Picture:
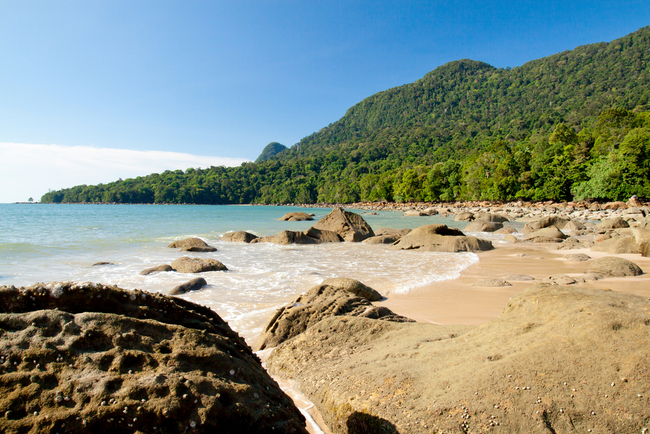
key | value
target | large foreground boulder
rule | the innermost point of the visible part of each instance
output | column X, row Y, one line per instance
column 557, row 360
column 89, row 358
column 192, row 245
column 333, row 297
column 440, row 238
column 197, row 265
column 349, row 226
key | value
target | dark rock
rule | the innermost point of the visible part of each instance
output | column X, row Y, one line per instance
column 349, row 226
column 192, row 245
column 196, row 265
column 440, row 238
column 89, row 358
column 98, row 264
column 192, row 285
column 239, row 236
column 159, row 268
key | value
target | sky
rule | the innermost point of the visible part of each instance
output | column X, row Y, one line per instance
column 96, row 90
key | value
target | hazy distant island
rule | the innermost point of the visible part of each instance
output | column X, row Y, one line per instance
column 574, row 125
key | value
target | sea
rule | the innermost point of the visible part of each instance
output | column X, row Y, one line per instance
column 56, row 242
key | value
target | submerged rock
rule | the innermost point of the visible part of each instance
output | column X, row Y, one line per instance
column 239, row 236
column 90, row 358
column 196, row 265
column 156, row 269
column 192, row 285
column 192, row 245
column 558, row 359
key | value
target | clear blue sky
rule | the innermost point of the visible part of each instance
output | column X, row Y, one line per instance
column 225, row 78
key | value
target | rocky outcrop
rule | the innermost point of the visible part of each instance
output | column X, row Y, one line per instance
column 334, row 297
column 196, row 265
column 239, row 237
column 192, row 285
column 156, row 269
column 558, row 359
column 440, row 238
column 296, row 217
column 349, row 226
column 89, row 358
column 611, row 266
column 192, row 245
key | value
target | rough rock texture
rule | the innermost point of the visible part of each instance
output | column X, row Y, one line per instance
column 617, row 245
column 192, row 245
column 287, row 237
column 488, row 217
column 382, row 239
column 557, row 360
column 296, row 217
column 319, row 302
column 577, row 257
column 353, row 286
column 388, row 231
column 611, row 266
column 545, row 222
column 574, row 243
column 550, row 234
column 239, row 236
column 89, row 358
column 197, row 265
column 615, row 223
column 192, row 285
column 348, row 225
column 157, row 269
column 323, row 236
column 483, row 226
column 440, row 238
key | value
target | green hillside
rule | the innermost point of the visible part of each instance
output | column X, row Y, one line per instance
column 570, row 125
column 270, row 151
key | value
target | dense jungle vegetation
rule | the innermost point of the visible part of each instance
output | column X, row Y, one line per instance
column 572, row 125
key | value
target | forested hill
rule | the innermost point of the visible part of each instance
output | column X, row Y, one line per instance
column 574, row 124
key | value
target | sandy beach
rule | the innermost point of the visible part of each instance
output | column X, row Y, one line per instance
column 459, row 301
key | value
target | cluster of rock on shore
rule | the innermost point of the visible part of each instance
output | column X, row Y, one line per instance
column 94, row 358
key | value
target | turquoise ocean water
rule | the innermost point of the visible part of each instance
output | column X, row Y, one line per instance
column 45, row 243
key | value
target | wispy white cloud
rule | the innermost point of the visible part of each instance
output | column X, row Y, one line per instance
column 30, row 170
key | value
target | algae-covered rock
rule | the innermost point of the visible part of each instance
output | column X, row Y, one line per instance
column 89, row 358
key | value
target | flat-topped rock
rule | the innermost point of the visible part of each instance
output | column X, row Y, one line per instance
column 440, row 238
column 90, row 358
